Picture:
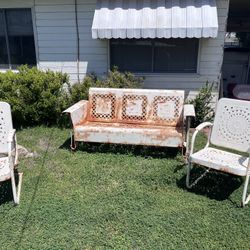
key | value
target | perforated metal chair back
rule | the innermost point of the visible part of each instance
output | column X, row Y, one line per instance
column 231, row 127
column 5, row 126
column 138, row 106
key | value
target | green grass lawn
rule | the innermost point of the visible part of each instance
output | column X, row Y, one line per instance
column 121, row 197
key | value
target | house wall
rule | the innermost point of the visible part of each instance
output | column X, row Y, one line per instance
column 209, row 61
column 57, row 38
column 56, row 41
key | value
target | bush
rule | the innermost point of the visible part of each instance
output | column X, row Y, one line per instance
column 79, row 91
column 115, row 79
column 202, row 104
column 36, row 97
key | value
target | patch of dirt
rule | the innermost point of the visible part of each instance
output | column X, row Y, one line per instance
column 24, row 153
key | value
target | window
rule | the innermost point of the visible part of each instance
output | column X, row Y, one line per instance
column 16, row 38
column 155, row 55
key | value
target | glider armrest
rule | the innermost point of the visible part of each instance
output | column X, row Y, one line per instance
column 78, row 112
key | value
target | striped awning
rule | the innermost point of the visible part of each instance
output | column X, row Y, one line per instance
column 155, row 19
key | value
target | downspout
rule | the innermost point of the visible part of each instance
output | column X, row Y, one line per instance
column 77, row 43
column 248, row 70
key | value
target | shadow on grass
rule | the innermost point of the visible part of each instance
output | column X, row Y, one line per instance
column 6, row 195
column 215, row 185
column 33, row 198
column 136, row 150
column 5, row 192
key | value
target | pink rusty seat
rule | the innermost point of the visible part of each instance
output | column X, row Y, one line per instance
column 131, row 116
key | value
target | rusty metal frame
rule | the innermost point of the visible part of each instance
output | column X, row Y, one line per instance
column 86, row 117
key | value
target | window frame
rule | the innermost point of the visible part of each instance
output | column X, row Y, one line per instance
column 33, row 20
column 196, row 73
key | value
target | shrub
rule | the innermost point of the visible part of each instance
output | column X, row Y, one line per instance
column 202, row 104
column 36, row 97
column 39, row 97
column 79, row 91
column 115, row 79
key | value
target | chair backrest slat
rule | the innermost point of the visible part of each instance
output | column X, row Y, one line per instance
column 5, row 126
column 232, row 125
column 139, row 106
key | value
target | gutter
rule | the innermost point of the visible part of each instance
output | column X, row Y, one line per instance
column 77, row 42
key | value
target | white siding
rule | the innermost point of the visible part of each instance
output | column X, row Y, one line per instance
column 57, row 38
column 16, row 3
column 56, row 35
column 209, row 65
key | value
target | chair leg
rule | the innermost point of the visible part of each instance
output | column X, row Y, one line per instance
column 20, row 179
column 189, row 168
column 245, row 197
column 16, row 190
column 73, row 144
column 13, row 184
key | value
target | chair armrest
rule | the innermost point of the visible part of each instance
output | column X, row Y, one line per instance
column 78, row 112
column 11, row 135
column 248, row 165
column 203, row 125
column 189, row 113
column 197, row 130
column 189, row 110
column 12, row 147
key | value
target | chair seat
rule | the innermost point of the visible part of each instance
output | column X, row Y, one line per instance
column 4, row 169
column 221, row 160
column 121, row 133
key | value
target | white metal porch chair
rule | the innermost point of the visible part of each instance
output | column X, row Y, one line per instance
column 230, row 130
column 8, row 151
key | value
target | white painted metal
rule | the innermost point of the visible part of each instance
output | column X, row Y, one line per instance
column 5, row 126
column 78, row 112
column 8, row 153
column 4, row 168
column 221, row 160
column 231, row 130
column 209, row 18
column 131, row 116
column 189, row 110
column 232, row 125
column 152, row 19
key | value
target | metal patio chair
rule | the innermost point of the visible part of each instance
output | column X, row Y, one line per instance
column 230, row 130
column 8, row 151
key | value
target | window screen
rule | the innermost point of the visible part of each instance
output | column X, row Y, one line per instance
column 16, row 38
column 155, row 55
column 3, row 48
